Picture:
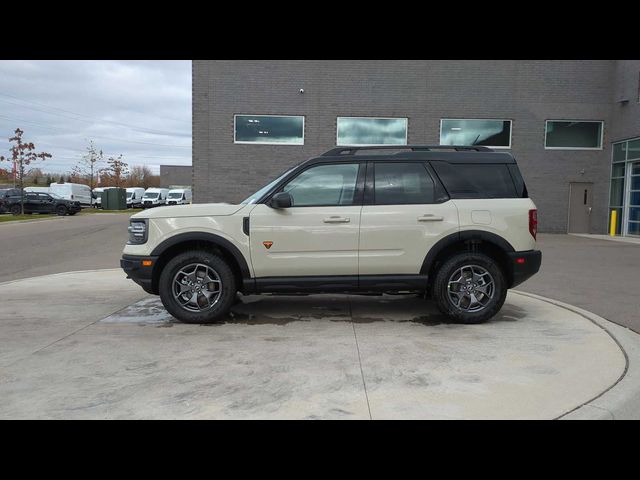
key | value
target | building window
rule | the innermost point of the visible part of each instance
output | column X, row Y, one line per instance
column 573, row 135
column 486, row 132
column 364, row 131
column 269, row 129
column 624, row 194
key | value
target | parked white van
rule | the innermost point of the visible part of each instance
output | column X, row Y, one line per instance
column 134, row 196
column 76, row 192
column 179, row 196
column 154, row 197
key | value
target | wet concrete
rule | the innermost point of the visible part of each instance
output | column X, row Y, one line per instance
column 120, row 355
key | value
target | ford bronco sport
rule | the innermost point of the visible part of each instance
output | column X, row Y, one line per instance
column 451, row 223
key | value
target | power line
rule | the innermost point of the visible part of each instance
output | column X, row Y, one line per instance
column 50, row 127
column 135, row 127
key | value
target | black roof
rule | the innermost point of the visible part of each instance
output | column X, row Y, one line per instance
column 445, row 153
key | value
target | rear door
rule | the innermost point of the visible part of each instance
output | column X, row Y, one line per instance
column 405, row 213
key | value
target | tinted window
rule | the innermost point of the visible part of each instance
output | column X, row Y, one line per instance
column 492, row 133
column 477, row 180
column 371, row 131
column 269, row 129
column 570, row 134
column 402, row 184
column 328, row 185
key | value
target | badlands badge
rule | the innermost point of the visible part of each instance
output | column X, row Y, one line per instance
column 267, row 244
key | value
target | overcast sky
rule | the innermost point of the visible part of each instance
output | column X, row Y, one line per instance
column 140, row 109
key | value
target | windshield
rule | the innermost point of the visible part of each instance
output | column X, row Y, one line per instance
column 151, row 195
column 175, row 195
column 256, row 196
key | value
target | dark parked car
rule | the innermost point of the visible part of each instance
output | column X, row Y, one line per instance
column 42, row 203
column 5, row 193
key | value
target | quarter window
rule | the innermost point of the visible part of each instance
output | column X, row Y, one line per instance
column 269, row 129
column 573, row 135
column 402, row 184
column 355, row 131
column 324, row 185
column 489, row 133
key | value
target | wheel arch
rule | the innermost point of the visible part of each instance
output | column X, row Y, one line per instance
column 172, row 246
column 468, row 241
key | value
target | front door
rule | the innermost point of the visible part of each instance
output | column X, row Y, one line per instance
column 318, row 234
column 580, row 206
column 406, row 219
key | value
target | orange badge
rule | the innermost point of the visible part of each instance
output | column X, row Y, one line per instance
column 267, row 244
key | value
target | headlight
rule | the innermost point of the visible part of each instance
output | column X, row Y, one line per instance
column 137, row 232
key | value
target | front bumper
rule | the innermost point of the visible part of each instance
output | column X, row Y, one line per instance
column 136, row 271
column 523, row 265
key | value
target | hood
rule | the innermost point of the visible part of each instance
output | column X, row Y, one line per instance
column 197, row 210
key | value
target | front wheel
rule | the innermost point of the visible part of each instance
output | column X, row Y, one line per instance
column 469, row 288
column 197, row 287
column 61, row 210
column 16, row 210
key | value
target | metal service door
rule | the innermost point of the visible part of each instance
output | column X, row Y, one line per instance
column 580, row 207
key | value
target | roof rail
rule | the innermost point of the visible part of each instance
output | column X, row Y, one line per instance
column 352, row 150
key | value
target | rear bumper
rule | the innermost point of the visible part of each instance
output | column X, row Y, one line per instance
column 523, row 265
column 136, row 271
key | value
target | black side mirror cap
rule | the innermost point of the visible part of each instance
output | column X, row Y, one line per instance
column 281, row 200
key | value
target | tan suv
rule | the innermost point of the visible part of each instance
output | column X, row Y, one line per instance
column 451, row 223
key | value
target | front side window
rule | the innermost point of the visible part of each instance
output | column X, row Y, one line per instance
column 402, row 184
column 470, row 132
column 324, row 185
column 363, row 131
column 269, row 129
column 573, row 135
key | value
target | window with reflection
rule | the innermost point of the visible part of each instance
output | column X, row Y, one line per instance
column 363, row 131
column 269, row 129
column 470, row 132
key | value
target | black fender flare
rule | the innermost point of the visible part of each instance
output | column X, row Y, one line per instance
column 209, row 238
column 462, row 236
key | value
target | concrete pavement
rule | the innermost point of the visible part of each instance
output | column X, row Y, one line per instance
column 331, row 356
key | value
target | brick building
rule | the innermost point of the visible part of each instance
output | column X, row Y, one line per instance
column 573, row 126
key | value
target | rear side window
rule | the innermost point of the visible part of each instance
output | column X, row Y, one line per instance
column 402, row 184
column 479, row 180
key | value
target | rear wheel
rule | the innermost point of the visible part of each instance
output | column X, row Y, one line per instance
column 61, row 210
column 197, row 287
column 470, row 288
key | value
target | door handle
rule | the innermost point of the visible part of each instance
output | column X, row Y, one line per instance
column 589, row 210
column 337, row 219
column 430, row 218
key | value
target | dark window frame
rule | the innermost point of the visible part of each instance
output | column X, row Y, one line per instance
column 601, row 139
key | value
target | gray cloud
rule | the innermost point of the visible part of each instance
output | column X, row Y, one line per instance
column 140, row 109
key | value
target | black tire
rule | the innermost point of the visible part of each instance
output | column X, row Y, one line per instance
column 61, row 210
column 16, row 210
column 440, row 288
column 228, row 286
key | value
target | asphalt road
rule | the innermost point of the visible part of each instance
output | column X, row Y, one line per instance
column 597, row 275
column 61, row 244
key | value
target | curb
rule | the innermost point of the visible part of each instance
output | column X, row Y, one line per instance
column 621, row 401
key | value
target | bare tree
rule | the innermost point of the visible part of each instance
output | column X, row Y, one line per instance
column 117, row 169
column 89, row 165
column 141, row 176
column 23, row 154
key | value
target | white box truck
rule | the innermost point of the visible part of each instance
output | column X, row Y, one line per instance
column 76, row 192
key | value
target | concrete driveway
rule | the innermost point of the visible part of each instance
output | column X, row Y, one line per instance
column 95, row 346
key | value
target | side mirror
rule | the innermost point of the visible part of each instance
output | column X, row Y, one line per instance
column 281, row 200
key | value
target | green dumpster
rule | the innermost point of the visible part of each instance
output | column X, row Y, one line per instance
column 114, row 199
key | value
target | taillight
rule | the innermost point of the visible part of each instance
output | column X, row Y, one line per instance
column 533, row 223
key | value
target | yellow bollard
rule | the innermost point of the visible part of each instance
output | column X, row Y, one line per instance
column 614, row 223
